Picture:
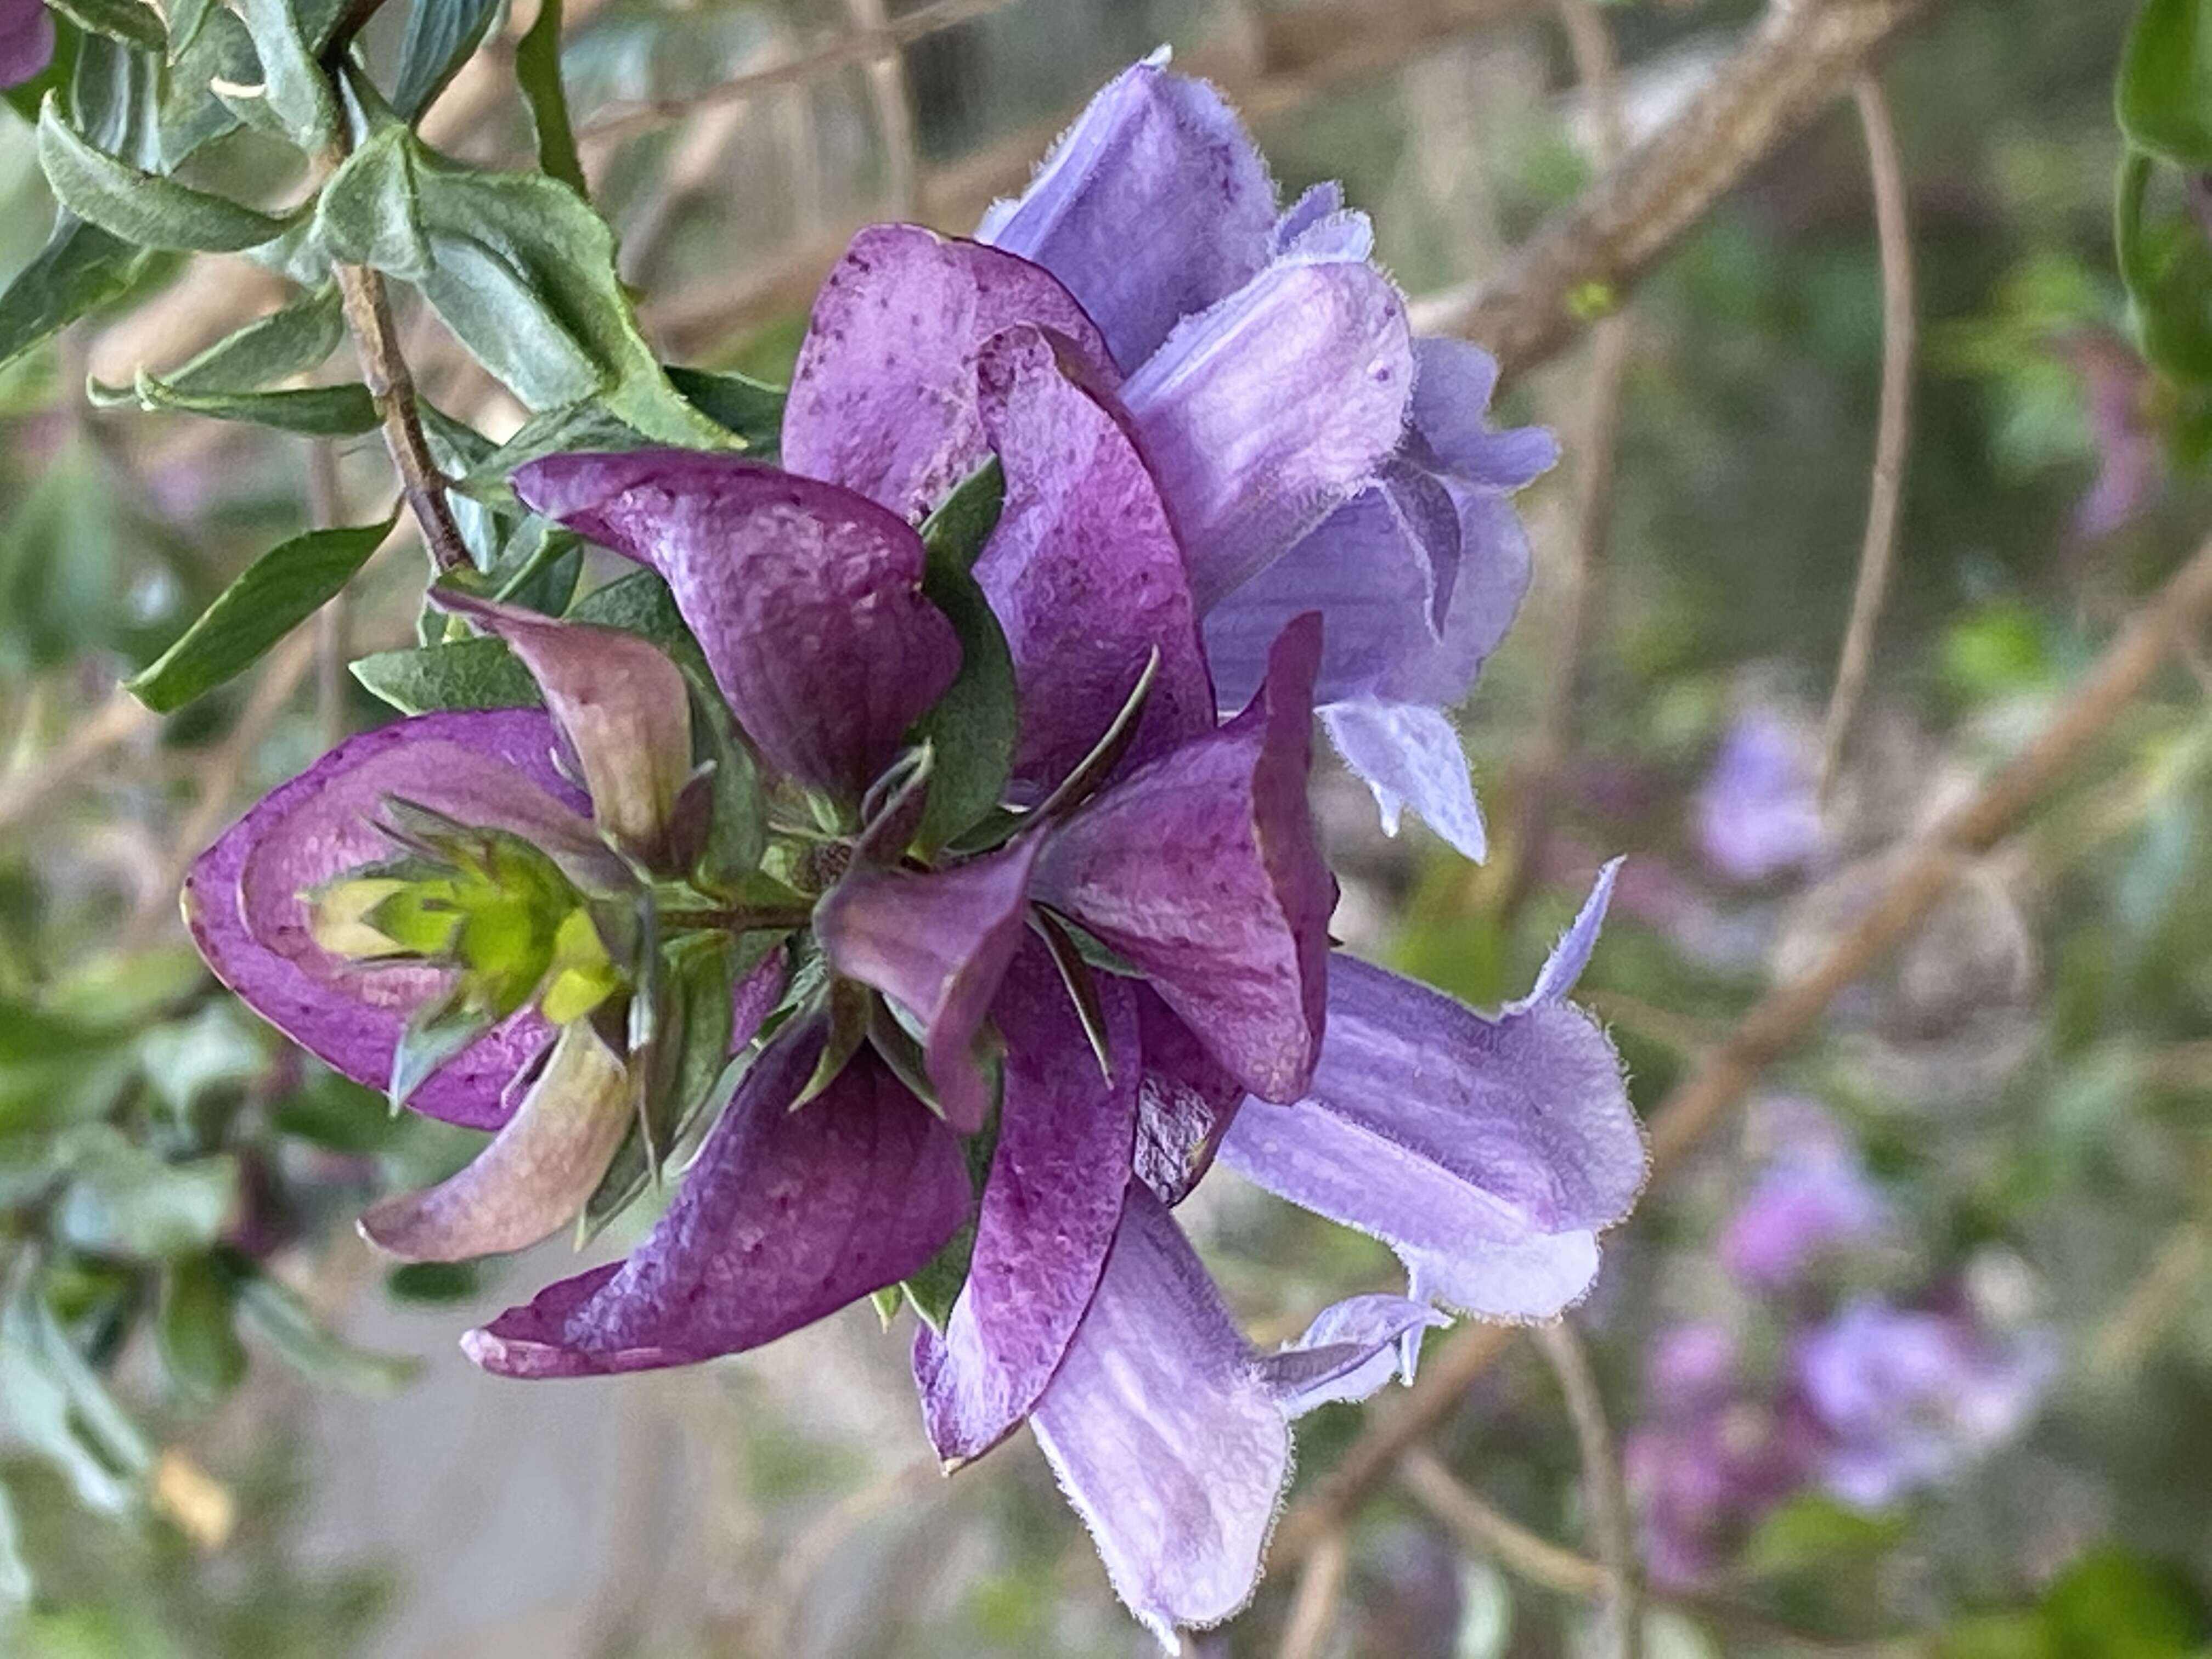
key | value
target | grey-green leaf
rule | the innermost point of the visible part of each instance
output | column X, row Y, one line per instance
column 370, row 213
column 127, row 21
column 280, row 590
column 16, row 1582
column 481, row 673
column 141, row 207
column 293, row 82
column 196, row 1331
column 81, row 267
column 538, row 69
column 752, row 409
column 292, row 341
column 320, row 411
column 441, row 36
column 124, row 1200
column 293, row 1332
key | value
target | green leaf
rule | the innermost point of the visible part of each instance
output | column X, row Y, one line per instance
column 370, row 212
column 737, row 828
column 126, row 1200
column 81, row 267
column 973, row 725
column 188, row 114
column 58, row 1404
column 186, row 19
column 481, row 673
column 752, row 409
column 2164, row 94
column 125, row 21
column 292, row 341
column 2112, row 1605
column 320, row 411
column 587, row 425
column 524, row 272
column 280, row 590
column 217, row 1046
column 538, row 69
column 441, row 36
column 196, row 1331
column 301, row 1339
column 142, row 207
column 2167, row 266
column 293, row 82
column 1813, row 1531
column 338, row 1113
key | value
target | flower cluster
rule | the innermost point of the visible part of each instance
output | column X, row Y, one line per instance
column 1865, row 1398
column 1001, row 992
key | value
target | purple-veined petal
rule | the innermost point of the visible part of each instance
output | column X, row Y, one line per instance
column 1049, row 1211
column 1487, row 1153
column 1490, row 579
column 537, row 1173
column 27, row 41
column 938, row 942
column 1320, row 226
column 1201, row 868
column 1184, row 1103
column 1164, row 1437
column 1410, row 756
column 806, row 598
column 243, row 899
column 1083, row 571
column 883, row 397
column 1153, row 205
column 1350, row 1350
column 1263, row 414
column 783, row 1218
column 1319, row 202
column 619, row 702
column 1451, row 401
column 1380, row 569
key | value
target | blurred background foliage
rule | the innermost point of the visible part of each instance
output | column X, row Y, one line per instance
column 198, row 1463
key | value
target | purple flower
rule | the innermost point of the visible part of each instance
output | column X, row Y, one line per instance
column 1712, row 1457
column 1813, row 1196
column 1907, row 1397
column 1759, row 812
column 1249, row 375
column 27, row 41
column 2119, row 395
column 984, row 1066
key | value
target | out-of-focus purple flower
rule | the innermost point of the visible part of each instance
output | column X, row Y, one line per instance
column 1711, row 1457
column 1309, row 453
column 1812, row 1197
column 1758, row 814
column 1906, row 1398
column 2117, row 388
column 27, row 41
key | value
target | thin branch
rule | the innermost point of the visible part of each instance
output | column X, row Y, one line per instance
column 1601, row 1492
column 1313, row 1612
column 326, row 509
column 1591, row 43
column 2153, row 1301
column 1583, row 260
column 1482, row 1530
column 383, row 371
column 892, row 99
column 116, row 721
column 1884, row 495
column 1922, row 874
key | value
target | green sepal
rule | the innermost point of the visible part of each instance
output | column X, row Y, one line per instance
column 849, row 1007
column 435, row 1034
column 973, row 728
column 1082, row 989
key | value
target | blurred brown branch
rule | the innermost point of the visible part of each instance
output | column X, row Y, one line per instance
column 1921, row 873
column 1893, row 431
column 1582, row 261
column 1608, row 1523
column 116, row 721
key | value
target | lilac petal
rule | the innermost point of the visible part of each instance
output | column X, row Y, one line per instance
column 27, row 41
column 1410, row 756
column 537, row 1173
column 1185, row 1102
column 1320, row 202
column 1201, row 868
column 883, row 397
column 1264, row 414
column 938, row 943
column 1164, row 1437
column 1049, row 1211
column 1320, row 226
column 1153, row 205
column 1083, row 571
column 1489, row 581
column 621, row 704
column 806, row 598
column 242, row 899
column 1758, row 813
column 783, row 1218
column 1451, row 399
column 1484, row 1151
column 1380, row 569
column 1350, row 1350
column 1572, row 953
